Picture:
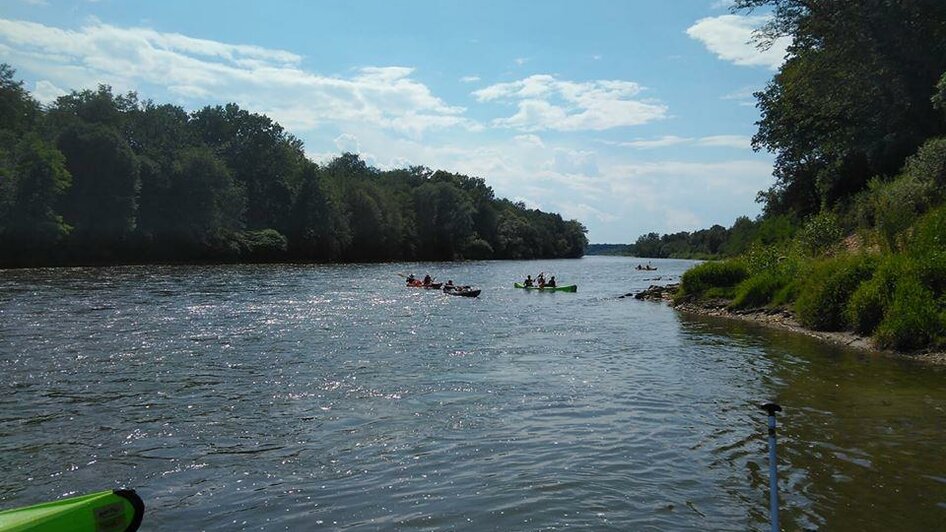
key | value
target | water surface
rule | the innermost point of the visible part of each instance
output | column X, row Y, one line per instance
column 296, row 397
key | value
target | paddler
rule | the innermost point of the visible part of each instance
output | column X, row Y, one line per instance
column 551, row 283
column 528, row 282
column 427, row 280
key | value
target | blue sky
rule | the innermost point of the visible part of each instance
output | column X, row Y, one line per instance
column 631, row 116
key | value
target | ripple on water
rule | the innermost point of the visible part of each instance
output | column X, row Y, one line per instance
column 285, row 396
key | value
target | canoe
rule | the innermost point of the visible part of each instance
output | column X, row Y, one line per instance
column 418, row 284
column 464, row 293
column 561, row 288
column 111, row 510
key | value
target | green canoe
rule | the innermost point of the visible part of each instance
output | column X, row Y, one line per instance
column 105, row 511
column 563, row 288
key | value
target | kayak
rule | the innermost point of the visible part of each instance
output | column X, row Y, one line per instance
column 111, row 510
column 563, row 288
column 418, row 284
column 464, row 293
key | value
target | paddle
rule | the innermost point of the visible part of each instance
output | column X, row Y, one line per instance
column 118, row 510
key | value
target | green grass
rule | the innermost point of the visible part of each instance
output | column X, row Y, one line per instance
column 697, row 281
column 825, row 291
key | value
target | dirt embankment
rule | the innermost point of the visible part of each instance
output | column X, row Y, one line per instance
column 778, row 318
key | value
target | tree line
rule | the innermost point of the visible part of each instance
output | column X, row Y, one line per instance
column 854, row 119
column 102, row 178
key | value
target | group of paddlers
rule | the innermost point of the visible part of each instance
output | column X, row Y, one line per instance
column 539, row 281
column 428, row 282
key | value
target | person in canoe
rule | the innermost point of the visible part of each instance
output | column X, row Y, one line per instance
column 540, row 280
column 427, row 280
column 528, row 283
column 551, row 283
column 448, row 286
column 411, row 281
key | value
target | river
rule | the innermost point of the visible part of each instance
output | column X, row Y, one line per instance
column 273, row 397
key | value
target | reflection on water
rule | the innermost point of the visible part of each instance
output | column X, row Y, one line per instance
column 267, row 397
column 861, row 440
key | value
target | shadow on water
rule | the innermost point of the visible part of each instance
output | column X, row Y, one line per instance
column 862, row 436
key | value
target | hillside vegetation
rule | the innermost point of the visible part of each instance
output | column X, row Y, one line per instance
column 103, row 178
column 853, row 232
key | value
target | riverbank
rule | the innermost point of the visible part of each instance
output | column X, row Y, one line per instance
column 777, row 318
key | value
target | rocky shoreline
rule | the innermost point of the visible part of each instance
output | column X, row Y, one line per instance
column 779, row 318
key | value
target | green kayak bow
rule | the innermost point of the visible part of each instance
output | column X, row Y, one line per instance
column 105, row 511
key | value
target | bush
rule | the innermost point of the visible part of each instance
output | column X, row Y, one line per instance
column 758, row 290
column 264, row 245
column 929, row 163
column 912, row 321
column 820, row 233
column 702, row 277
column 867, row 306
column 824, row 294
column 929, row 237
column 893, row 207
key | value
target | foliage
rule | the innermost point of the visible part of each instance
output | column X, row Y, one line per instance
column 759, row 290
column 820, row 233
column 913, row 320
column 104, row 177
column 928, row 164
column 826, row 289
column 853, row 98
column 716, row 274
column 892, row 207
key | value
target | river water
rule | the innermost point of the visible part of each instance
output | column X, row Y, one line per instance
column 298, row 397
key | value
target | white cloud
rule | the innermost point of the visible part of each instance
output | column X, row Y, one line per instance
column 730, row 38
column 715, row 141
column 661, row 142
column 469, row 79
column 521, row 60
column 347, row 143
column 727, row 141
column 530, row 140
column 744, row 96
column 202, row 71
column 583, row 211
column 46, row 92
column 547, row 103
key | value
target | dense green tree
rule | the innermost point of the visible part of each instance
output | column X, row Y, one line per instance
column 33, row 226
column 101, row 204
column 207, row 204
column 853, row 98
column 18, row 110
column 319, row 230
column 100, row 177
column 444, row 220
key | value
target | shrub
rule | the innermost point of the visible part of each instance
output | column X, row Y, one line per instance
column 929, row 237
column 867, row 306
column 702, row 277
column 758, row 290
column 893, row 207
column 265, row 244
column 819, row 233
column 824, row 294
column 929, row 163
column 912, row 321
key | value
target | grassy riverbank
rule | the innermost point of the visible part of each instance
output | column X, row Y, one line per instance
column 893, row 293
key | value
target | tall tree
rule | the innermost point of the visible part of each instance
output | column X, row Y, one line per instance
column 102, row 201
column 853, row 99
